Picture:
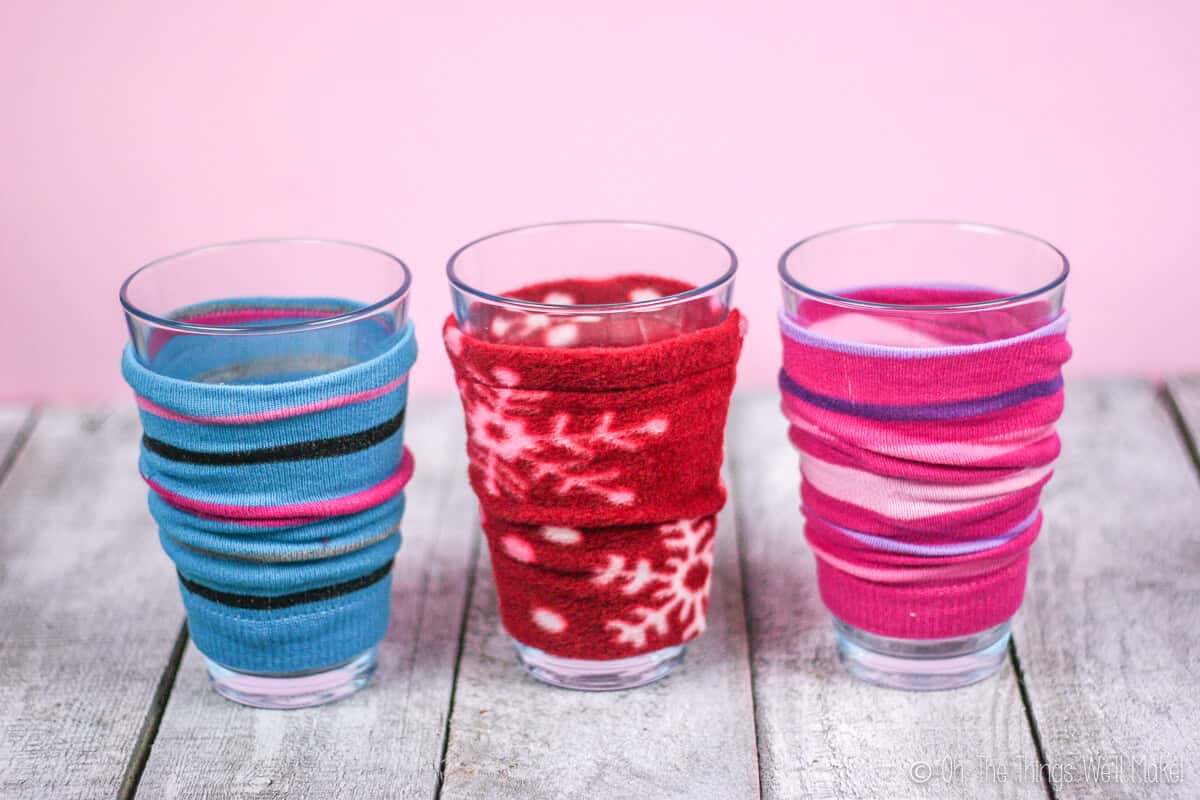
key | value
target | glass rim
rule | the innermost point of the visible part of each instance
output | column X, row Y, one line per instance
column 290, row 327
column 593, row 308
column 978, row 227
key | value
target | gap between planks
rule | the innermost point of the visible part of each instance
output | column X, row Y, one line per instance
column 822, row 734
column 154, row 715
column 689, row 735
column 88, row 603
column 472, row 565
column 385, row 741
column 1182, row 396
column 810, row 651
column 1035, row 731
column 16, row 426
column 1107, row 634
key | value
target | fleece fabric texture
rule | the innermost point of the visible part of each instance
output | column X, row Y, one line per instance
column 597, row 467
column 922, row 467
column 279, row 503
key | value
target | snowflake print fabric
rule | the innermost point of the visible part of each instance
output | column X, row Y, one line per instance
column 597, row 472
column 603, row 592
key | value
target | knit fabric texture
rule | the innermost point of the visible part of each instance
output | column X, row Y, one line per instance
column 280, row 502
column 597, row 469
column 922, row 467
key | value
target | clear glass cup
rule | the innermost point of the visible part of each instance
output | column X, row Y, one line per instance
column 485, row 274
column 1028, row 276
column 356, row 305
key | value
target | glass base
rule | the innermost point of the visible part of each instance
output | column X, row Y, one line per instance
column 599, row 676
column 293, row 689
column 922, row 664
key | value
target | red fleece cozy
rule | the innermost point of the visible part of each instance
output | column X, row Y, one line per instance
column 598, row 474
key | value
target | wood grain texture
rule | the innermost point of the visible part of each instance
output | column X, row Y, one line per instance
column 88, row 608
column 691, row 735
column 384, row 741
column 1107, row 644
column 1108, row 639
column 822, row 734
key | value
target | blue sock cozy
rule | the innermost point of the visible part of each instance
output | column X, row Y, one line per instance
column 279, row 503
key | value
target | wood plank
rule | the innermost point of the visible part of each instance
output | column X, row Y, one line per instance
column 88, row 606
column 822, row 734
column 691, row 735
column 1108, row 639
column 385, row 741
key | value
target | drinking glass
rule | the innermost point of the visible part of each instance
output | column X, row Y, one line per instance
column 330, row 305
column 484, row 278
column 1023, row 278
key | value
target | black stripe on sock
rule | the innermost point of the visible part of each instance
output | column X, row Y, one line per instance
column 256, row 602
column 300, row 451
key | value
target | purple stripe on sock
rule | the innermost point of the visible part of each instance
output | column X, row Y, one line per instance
column 953, row 549
column 960, row 409
column 804, row 336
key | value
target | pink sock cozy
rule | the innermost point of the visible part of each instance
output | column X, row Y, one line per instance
column 922, row 468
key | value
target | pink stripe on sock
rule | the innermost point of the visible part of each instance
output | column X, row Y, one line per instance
column 256, row 314
column 274, row 414
column 159, row 337
column 905, row 500
column 920, row 574
column 985, row 520
column 912, row 382
column 831, row 540
column 297, row 513
column 925, row 610
column 1012, row 449
column 948, row 470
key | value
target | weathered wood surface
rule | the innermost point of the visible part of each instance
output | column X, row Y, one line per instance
column 14, row 424
column 89, row 611
column 1108, row 638
column 385, row 741
column 1185, row 398
column 820, row 733
column 691, row 735
column 1107, row 646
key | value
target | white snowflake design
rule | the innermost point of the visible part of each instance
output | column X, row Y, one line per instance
column 693, row 540
column 513, row 459
column 550, row 330
column 556, row 330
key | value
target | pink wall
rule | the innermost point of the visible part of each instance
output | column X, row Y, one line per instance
column 135, row 129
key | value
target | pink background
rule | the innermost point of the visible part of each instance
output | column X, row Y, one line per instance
column 135, row 129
